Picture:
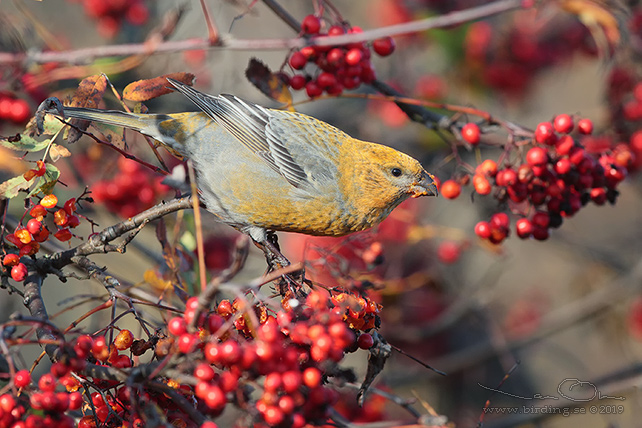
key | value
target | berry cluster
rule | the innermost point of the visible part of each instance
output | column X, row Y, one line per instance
column 508, row 59
column 131, row 191
column 289, row 354
column 625, row 105
column 560, row 174
column 28, row 238
column 13, row 109
column 111, row 13
column 334, row 68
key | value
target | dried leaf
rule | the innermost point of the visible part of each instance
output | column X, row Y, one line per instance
column 267, row 82
column 57, row 151
column 10, row 188
column 144, row 90
column 114, row 137
column 89, row 94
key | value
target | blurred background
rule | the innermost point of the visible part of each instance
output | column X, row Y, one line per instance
column 552, row 311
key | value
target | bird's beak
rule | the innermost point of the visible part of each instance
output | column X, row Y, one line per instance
column 425, row 186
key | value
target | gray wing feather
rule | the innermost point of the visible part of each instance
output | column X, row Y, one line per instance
column 250, row 124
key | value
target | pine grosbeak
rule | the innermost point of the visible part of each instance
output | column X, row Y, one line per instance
column 260, row 169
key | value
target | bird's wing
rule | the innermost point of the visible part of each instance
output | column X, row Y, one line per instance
column 250, row 124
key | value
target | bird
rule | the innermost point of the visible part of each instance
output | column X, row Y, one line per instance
column 262, row 170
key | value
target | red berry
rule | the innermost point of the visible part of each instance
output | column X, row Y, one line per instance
column 312, row 377
column 499, row 220
column 291, row 381
column 5, row 107
column 563, row 123
column 353, row 56
column 470, row 132
column 177, row 326
column 204, row 372
column 273, row 415
column 585, row 126
column 22, row 378
column 564, row 145
column 481, row 184
column 137, row 13
column 297, row 82
column 298, row 60
column 19, row 272
column 273, row 382
column 541, row 219
column 524, row 228
column 19, row 111
column 482, row 229
column 450, row 189
column 448, row 252
column 230, row 351
column 335, row 57
column 34, row 226
column 47, row 382
column 311, row 24
column 537, row 156
column 544, row 133
column 365, row 341
column 563, row 166
column 214, row 397
column 384, row 46
column 336, row 30
column 326, row 80
column 7, row 403
column 11, row 259
column 313, row 89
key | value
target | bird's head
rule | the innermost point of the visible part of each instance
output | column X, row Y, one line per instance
column 385, row 177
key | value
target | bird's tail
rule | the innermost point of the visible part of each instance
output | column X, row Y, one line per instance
column 152, row 125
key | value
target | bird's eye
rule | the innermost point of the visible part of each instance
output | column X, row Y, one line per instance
column 396, row 172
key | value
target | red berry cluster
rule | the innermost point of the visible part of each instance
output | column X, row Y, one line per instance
column 132, row 190
column 111, row 13
column 55, row 394
column 14, row 109
column 509, row 59
column 558, row 177
column 625, row 106
column 335, row 67
column 289, row 354
column 28, row 238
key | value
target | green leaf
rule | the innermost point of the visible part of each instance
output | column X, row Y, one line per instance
column 10, row 188
column 47, row 181
column 24, row 143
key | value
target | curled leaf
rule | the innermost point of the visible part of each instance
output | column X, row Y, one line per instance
column 144, row 90
column 23, row 143
column 57, row 151
column 267, row 82
column 89, row 94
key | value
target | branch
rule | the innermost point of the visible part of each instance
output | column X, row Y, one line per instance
column 99, row 243
column 230, row 43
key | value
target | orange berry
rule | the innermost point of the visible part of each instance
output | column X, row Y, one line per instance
column 49, row 201
column 450, row 189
